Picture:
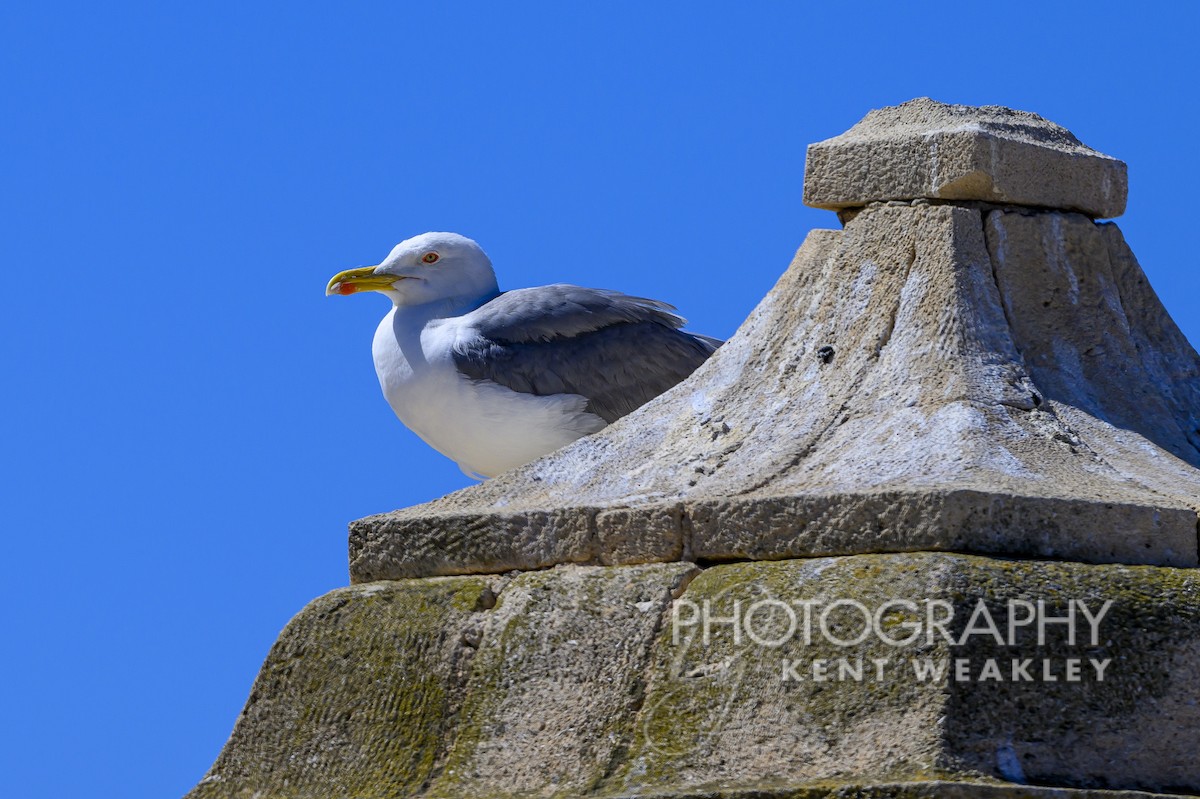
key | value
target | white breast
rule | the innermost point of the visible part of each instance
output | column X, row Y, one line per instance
column 485, row 427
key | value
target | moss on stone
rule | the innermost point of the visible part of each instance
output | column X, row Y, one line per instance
column 714, row 713
column 356, row 696
column 573, row 683
column 554, row 689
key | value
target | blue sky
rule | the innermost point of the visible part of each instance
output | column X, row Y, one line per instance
column 190, row 423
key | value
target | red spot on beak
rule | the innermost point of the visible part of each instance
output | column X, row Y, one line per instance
column 345, row 288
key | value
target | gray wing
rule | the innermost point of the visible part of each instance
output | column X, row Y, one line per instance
column 618, row 351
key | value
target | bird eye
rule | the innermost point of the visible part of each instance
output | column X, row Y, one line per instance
column 430, row 257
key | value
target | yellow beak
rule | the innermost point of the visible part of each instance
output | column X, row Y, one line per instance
column 361, row 279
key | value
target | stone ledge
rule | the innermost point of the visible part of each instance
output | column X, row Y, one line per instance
column 415, row 543
column 927, row 149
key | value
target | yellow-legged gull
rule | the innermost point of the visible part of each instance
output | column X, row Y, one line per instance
column 496, row 379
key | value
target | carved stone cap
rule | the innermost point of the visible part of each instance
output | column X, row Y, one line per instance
column 926, row 149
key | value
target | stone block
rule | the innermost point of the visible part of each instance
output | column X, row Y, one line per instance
column 395, row 547
column 402, row 545
column 599, row 682
column 995, row 523
column 765, row 702
column 927, row 149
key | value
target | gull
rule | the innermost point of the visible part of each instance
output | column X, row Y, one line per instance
column 494, row 380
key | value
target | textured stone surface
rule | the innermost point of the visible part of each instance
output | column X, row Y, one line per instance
column 927, row 149
column 721, row 713
column 597, row 681
column 358, row 696
column 1094, row 336
column 555, row 685
column 466, row 543
column 931, row 789
column 1008, row 385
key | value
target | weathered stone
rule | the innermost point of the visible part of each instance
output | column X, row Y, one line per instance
column 463, row 543
column 951, row 414
column 1095, row 338
column 466, row 543
column 927, row 149
column 358, row 695
column 386, row 688
column 931, row 789
column 598, row 681
column 728, row 711
column 555, row 686
column 933, row 520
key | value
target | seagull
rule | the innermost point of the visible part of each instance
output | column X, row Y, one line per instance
column 495, row 379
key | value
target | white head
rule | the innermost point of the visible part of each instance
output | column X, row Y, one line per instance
column 425, row 268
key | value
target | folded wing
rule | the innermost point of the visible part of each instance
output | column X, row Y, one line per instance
column 616, row 350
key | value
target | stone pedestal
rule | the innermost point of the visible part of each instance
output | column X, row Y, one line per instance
column 926, row 526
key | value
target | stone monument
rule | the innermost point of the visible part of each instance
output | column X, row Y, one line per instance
column 926, row 526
